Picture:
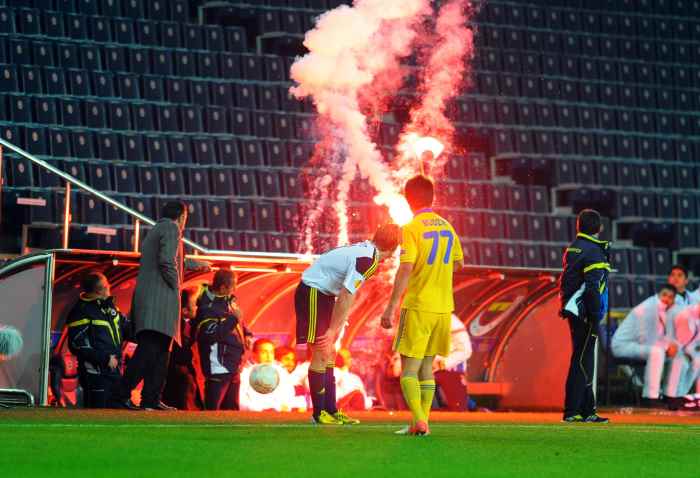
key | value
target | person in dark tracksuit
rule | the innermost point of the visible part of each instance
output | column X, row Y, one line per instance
column 96, row 332
column 221, row 340
column 181, row 390
column 583, row 290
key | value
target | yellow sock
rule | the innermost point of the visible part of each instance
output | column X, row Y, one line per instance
column 411, row 392
column 427, row 392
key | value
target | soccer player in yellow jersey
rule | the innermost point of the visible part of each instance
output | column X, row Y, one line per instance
column 429, row 250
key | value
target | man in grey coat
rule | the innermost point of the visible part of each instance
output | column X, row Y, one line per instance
column 155, row 309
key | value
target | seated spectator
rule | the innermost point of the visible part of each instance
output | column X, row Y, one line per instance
column 181, row 389
column 287, row 358
column 96, row 332
column 221, row 340
column 684, row 371
column 282, row 399
column 646, row 335
column 350, row 389
column 678, row 278
column 460, row 349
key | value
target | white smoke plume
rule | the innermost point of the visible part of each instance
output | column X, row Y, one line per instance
column 349, row 49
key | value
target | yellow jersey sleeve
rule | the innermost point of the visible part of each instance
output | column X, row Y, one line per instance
column 409, row 245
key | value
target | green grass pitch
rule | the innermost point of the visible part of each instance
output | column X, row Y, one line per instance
column 47, row 443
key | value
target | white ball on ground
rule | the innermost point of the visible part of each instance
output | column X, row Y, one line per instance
column 264, row 378
column 10, row 342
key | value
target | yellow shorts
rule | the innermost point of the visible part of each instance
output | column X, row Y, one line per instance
column 423, row 334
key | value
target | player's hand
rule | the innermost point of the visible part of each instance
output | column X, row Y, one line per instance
column 113, row 362
column 672, row 350
column 388, row 319
column 327, row 339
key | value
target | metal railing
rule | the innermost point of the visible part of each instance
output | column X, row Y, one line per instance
column 138, row 218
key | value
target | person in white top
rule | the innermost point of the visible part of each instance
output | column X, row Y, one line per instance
column 319, row 317
column 678, row 278
column 646, row 335
column 460, row 349
column 350, row 387
column 281, row 399
column 684, row 372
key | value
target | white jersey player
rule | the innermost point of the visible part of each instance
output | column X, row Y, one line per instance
column 646, row 335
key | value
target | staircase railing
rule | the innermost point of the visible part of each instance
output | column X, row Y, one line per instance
column 138, row 218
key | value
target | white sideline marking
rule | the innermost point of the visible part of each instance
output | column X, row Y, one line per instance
column 577, row 427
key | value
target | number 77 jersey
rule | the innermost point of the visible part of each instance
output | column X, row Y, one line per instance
column 431, row 244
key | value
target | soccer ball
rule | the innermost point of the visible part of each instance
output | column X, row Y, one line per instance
column 264, row 378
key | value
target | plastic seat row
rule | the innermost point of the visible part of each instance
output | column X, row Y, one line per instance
column 159, row 148
column 153, row 9
column 566, row 115
column 125, row 31
column 581, row 143
column 630, row 203
column 627, row 174
column 587, row 92
column 591, row 45
column 104, row 85
column 146, row 117
column 611, row 17
column 143, row 60
column 572, row 66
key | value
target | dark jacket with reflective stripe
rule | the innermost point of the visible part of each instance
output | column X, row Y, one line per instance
column 96, row 330
column 219, row 333
column 583, row 286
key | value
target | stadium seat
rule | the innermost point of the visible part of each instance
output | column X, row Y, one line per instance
column 157, row 149
column 91, row 210
column 196, row 216
column 245, row 183
column 269, row 183
column 265, row 217
column 217, row 214
column 149, row 180
column 167, row 117
column 241, row 215
column 125, row 180
column 252, row 152
column 128, row 86
column 639, row 262
column 199, row 92
column 222, row 182
column 180, row 149
column 276, row 152
column 619, row 293
column 152, row 88
column 133, row 147
column 171, row 36
column 100, row 29
column 176, row 90
column 227, row 150
column 198, row 180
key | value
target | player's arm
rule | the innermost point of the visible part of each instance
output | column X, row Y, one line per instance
column 400, row 284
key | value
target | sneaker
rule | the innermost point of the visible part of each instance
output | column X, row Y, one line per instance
column 325, row 418
column 128, row 404
column 404, row 431
column 420, row 429
column 344, row 419
column 595, row 418
column 573, row 419
column 160, row 407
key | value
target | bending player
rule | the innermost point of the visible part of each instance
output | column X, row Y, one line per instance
column 337, row 274
column 429, row 249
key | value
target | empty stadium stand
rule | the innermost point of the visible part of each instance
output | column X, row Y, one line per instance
column 574, row 104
